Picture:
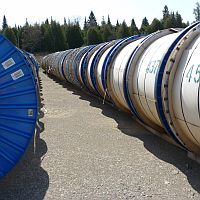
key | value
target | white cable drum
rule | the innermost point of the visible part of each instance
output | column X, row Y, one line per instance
column 99, row 69
column 89, row 68
column 116, row 86
column 144, row 79
column 185, row 99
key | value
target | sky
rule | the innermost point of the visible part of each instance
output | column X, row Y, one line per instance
column 17, row 11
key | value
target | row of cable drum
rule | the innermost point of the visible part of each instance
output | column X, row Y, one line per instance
column 154, row 77
column 19, row 97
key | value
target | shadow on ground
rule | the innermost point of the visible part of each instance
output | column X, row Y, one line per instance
column 28, row 180
column 157, row 146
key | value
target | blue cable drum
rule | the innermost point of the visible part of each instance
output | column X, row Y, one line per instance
column 33, row 62
column 18, row 105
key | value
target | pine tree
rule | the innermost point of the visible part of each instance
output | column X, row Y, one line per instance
column 10, row 35
column 179, row 21
column 4, row 25
column 46, row 21
column 109, row 22
column 85, row 25
column 165, row 12
column 196, row 12
column 92, row 22
column 93, row 36
column 31, row 38
column 123, row 30
column 65, row 22
column 145, row 26
column 58, row 38
column 107, row 34
column 133, row 28
column 73, row 36
column 156, row 25
column 117, row 24
column 103, row 22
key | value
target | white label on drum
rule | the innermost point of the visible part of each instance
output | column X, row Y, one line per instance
column 18, row 74
column 8, row 63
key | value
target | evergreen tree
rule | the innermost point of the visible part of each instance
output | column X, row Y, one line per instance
column 123, row 30
column 107, row 34
column 46, row 37
column 65, row 22
column 16, row 33
column 103, row 22
column 73, row 36
column 196, row 12
column 179, row 21
column 10, row 35
column 133, row 28
column 165, row 12
column 85, row 25
column 47, row 21
column 58, row 38
column 93, row 36
column 4, row 25
column 26, row 24
column 145, row 26
column 117, row 24
column 109, row 22
column 31, row 38
column 156, row 25
column 92, row 22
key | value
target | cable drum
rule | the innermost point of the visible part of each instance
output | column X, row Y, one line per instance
column 144, row 71
column 115, row 83
column 18, row 103
column 100, row 70
column 85, row 68
column 90, row 66
column 69, row 67
column 60, row 64
column 181, row 90
column 75, row 65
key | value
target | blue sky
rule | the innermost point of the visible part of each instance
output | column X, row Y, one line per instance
column 16, row 12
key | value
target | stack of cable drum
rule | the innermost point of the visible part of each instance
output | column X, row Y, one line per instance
column 19, row 97
column 155, row 78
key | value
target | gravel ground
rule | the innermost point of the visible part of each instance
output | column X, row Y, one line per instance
column 87, row 150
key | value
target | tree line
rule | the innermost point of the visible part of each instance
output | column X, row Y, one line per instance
column 51, row 36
